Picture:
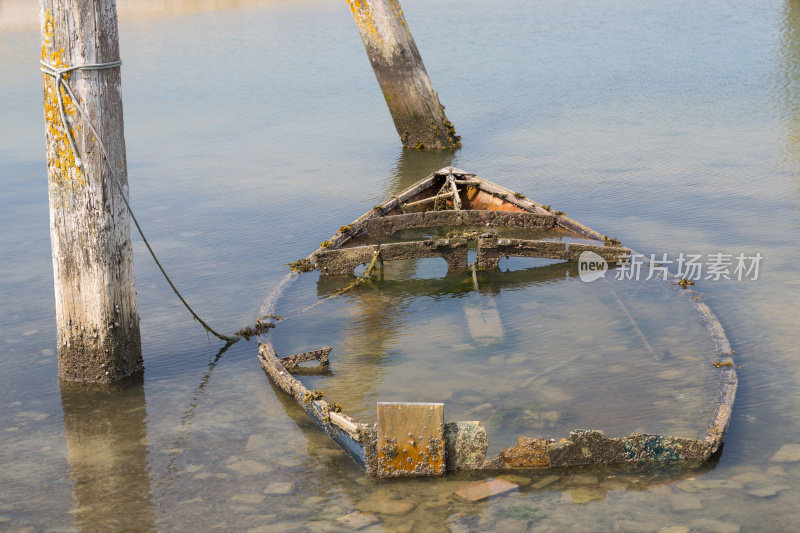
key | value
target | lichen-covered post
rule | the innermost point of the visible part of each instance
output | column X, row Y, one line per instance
column 96, row 314
column 417, row 113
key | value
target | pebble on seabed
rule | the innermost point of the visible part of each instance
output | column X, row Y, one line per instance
column 484, row 489
column 31, row 415
column 767, row 492
column 357, row 520
column 685, row 502
column 279, row 487
column 585, row 494
column 248, row 498
column 674, row 529
column 381, row 503
column 545, row 482
column 717, row 526
column 249, row 467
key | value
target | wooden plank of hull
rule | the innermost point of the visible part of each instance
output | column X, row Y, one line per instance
column 383, row 226
column 492, row 249
column 355, row 438
column 410, row 439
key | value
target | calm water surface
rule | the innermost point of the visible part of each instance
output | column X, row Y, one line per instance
column 253, row 132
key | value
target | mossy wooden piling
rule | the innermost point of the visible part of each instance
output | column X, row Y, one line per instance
column 413, row 103
column 96, row 313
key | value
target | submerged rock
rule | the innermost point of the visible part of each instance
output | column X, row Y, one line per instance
column 383, row 505
column 279, row 487
column 768, row 491
column 248, row 498
column 357, row 520
column 32, row 415
column 256, row 442
column 789, row 453
column 586, row 494
column 715, row 526
column 249, row 467
column 685, row 502
column 717, row 484
column 518, row 480
column 634, row 526
column 545, row 482
column 485, row 489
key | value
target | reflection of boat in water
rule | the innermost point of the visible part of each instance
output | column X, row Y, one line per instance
column 445, row 215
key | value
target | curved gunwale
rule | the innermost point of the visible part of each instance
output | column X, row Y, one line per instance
column 467, row 441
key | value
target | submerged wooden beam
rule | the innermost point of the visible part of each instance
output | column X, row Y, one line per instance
column 413, row 103
column 291, row 362
column 492, row 249
column 357, row 439
column 345, row 260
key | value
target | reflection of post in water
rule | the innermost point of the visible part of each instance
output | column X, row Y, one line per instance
column 375, row 325
column 106, row 438
column 788, row 83
column 413, row 165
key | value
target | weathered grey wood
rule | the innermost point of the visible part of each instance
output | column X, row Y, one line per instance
column 383, row 226
column 357, row 439
column 728, row 381
column 413, row 103
column 456, row 197
column 96, row 313
column 430, row 199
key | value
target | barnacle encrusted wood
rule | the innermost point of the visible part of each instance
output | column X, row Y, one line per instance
column 469, row 206
column 410, row 439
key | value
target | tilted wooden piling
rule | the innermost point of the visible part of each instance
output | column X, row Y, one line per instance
column 96, row 313
column 414, row 104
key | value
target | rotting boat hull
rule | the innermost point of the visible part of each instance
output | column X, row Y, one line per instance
column 453, row 198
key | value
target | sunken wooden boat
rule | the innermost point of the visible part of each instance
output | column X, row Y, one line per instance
column 414, row 439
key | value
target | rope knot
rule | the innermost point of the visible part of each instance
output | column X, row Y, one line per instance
column 58, row 74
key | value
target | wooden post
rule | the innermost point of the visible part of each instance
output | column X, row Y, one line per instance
column 96, row 314
column 417, row 113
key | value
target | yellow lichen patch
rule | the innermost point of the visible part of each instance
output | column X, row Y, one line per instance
column 49, row 28
column 61, row 167
column 365, row 20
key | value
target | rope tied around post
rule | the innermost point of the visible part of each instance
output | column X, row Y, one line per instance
column 60, row 81
column 58, row 74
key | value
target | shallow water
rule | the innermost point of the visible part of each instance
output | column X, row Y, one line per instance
column 254, row 131
column 503, row 354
